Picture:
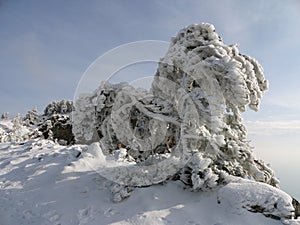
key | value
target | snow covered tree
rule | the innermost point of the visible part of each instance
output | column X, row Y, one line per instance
column 221, row 82
column 31, row 117
column 4, row 115
column 189, row 125
column 58, row 107
column 16, row 134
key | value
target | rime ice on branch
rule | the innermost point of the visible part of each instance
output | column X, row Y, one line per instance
column 189, row 125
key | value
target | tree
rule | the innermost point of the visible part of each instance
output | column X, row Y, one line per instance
column 16, row 132
column 4, row 115
column 58, row 107
column 189, row 125
column 31, row 117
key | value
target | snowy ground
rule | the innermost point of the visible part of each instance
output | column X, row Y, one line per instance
column 40, row 183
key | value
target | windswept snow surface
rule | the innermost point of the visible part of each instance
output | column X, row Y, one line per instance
column 44, row 183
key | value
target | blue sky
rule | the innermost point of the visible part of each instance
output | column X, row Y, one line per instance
column 46, row 46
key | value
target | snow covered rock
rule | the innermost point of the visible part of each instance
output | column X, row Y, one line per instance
column 120, row 154
column 257, row 197
column 55, row 124
column 60, row 126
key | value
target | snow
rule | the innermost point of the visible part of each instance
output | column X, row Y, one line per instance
column 42, row 182
column 259, row 196
column 10, row 132
column 120, row 154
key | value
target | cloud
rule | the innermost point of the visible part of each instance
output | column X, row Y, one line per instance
column 288, row 100
column 269, row 128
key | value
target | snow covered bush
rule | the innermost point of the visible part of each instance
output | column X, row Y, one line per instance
column 189, row 125
column 58, row 107
column 31, row 118
column 197, row 173
column 4, row 115
column 14, row 130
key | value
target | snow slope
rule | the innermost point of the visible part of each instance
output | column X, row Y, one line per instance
column 44, row 183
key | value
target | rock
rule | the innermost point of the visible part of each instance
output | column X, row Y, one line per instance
column 60, row 126
column 257, row 197
column 296, row 205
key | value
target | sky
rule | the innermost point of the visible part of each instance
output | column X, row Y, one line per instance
column 46, row 47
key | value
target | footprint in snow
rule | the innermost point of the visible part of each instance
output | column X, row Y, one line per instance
column 191, row 222
column 110, row 212
column 86, row 215
column 28, row 214
column 52, row 216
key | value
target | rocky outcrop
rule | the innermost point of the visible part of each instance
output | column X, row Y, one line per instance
column 58, row 127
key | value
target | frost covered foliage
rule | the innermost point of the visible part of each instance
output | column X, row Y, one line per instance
column 189, row 125
column 4, row 115
column 122, row 115
column 198, row 174
column 221, row 82
column 31, row 118
column 58, row 107
column 13, row 130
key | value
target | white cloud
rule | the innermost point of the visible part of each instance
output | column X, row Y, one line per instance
column 270, row 128
column 289, row 100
